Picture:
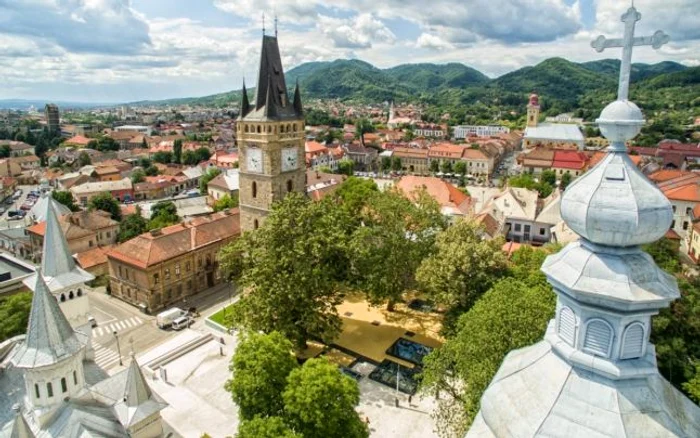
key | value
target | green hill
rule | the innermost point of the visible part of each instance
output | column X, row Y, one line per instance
column 639, row 71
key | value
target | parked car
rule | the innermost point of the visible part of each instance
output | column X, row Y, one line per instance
column 92, row 321
column 182, row 322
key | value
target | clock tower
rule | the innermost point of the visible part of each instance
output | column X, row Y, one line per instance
column 270, row 135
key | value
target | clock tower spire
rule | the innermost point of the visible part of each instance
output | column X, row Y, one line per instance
column 270, row 132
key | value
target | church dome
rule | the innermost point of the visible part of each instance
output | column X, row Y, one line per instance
column 614, row 204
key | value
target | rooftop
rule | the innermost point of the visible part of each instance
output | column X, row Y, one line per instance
column 554, row 131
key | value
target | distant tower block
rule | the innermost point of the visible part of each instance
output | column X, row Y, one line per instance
column 52, row 118
column 533, row 110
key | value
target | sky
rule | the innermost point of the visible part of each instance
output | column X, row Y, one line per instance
column 129, row 50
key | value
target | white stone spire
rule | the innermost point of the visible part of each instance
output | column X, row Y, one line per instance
column 595, row 372
column 139, row 403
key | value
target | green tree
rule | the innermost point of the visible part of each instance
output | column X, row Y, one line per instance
column 131, row 226
column 692, row 386
column 665, row 253
column 386, row 164
column 163, row 214
column 509, row 316
column 397, row 234
column 151, row 170
column 353, row 194
column 14, row 314
column 105, row 144
column 105, row 202
column 177, row 151
column 265, row 427
column 565, row 181
column 189, row 158
column 549, row 176
column 434, row 166
column 291, row 266
column 446, row 166
column 320, row 402
column 138, row 176
column 66, row 198
column 5, row 151
column 162, row 157
column 259, row 369
column 227, row 201
column 460, row 168
column 362, row 127
column 84, row 159
column 202, row 154
column 346, row 166
column 206, row 178
column 396, row 164
column 463, row 266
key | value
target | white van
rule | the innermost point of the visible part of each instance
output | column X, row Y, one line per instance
column 182, row 322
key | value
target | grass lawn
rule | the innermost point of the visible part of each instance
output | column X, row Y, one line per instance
column 219, row 317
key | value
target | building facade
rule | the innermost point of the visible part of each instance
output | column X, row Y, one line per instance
column 52, row 118
column 163, row 267
column 270, row 133
column 461, row 132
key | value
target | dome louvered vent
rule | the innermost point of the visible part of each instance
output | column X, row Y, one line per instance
column 567, row 325
column 598, row 338
column 633, row 342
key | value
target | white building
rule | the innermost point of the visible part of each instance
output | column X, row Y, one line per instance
column 465, row 131
column 146, row 130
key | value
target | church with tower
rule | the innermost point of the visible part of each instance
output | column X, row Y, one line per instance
column 49, row 384
column 270, row 133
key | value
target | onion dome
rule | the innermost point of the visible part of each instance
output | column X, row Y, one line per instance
column 614, row 204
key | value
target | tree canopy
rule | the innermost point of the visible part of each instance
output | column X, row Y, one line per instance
column 131, row 226
column 354, row 193
column 320, row 402
column 206, row 178
column 66, row 198
column 14, row 314
column 289, row 269
column 163, row 214
column 105, row 202
column 259, row 369
column 225, row 202
column 265, row 427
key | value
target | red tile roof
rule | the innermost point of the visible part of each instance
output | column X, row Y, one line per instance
column 569, row 160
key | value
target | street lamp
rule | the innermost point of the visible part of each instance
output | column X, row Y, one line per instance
column 398, row 378
column 119, row 350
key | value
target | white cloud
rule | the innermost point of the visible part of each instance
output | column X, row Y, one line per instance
column 356, row 33
column 678, row 18
column 428, row 41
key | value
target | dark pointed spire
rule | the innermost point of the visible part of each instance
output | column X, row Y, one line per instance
column 298, row 108
column 245, row 103
column 270, row 109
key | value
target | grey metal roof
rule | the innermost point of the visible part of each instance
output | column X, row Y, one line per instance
column 19, row 428
column 50, row 338
column 57, row 264
column 40, row 209
column 536, row 393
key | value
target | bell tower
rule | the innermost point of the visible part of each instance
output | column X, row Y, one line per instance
column 270, row 133
column 533, row 110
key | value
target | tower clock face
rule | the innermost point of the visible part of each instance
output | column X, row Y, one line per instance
column 254, row 160
column 290, row 159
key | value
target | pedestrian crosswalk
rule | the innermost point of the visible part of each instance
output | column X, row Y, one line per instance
column 116, row 326
column 104, row 357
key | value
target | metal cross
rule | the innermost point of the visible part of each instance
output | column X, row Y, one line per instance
column 601, row 43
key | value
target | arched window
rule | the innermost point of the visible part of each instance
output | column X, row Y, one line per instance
column 290, row 185
column 80, row 292
column 259, row 129
column 255, row 189
column 64, row 384
column 255, row 224
column 598, row 338
column 633, row 341
column 63, row 297
column 49, row 389
column 246, row 128
column 75, row 378
column 289, row 128
column 269, row 129
column 70, row 295
column 567, row 326
column 36, row 391
column 294, row 126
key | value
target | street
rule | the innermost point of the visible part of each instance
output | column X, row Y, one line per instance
column 18, row 203
column 122, row 328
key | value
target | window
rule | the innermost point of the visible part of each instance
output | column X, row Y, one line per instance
column 63, row 297
column 75, row 377
column 598, row 340
column 289, row 186
column 258, row 129
column 80, row 292
column 687, row 211
column 90, row 243
column 199, row 262
column 156, row 278
column 673, row 224
column 255, row 224
column 254, row 190
column 70, row 295
column 633, row 341
column 36, row 391
column 187, row 266
column 109, row 234
column 167, row 273
column 49, row 389
column 674, row 208
column 177, row 269
column 120, row 271
column 64, row 385
column 685, row 225
column 542, row 231
column 179, row 290
column 517, row 227
column 189, row 285
column 567, row 325
column 527, row 228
